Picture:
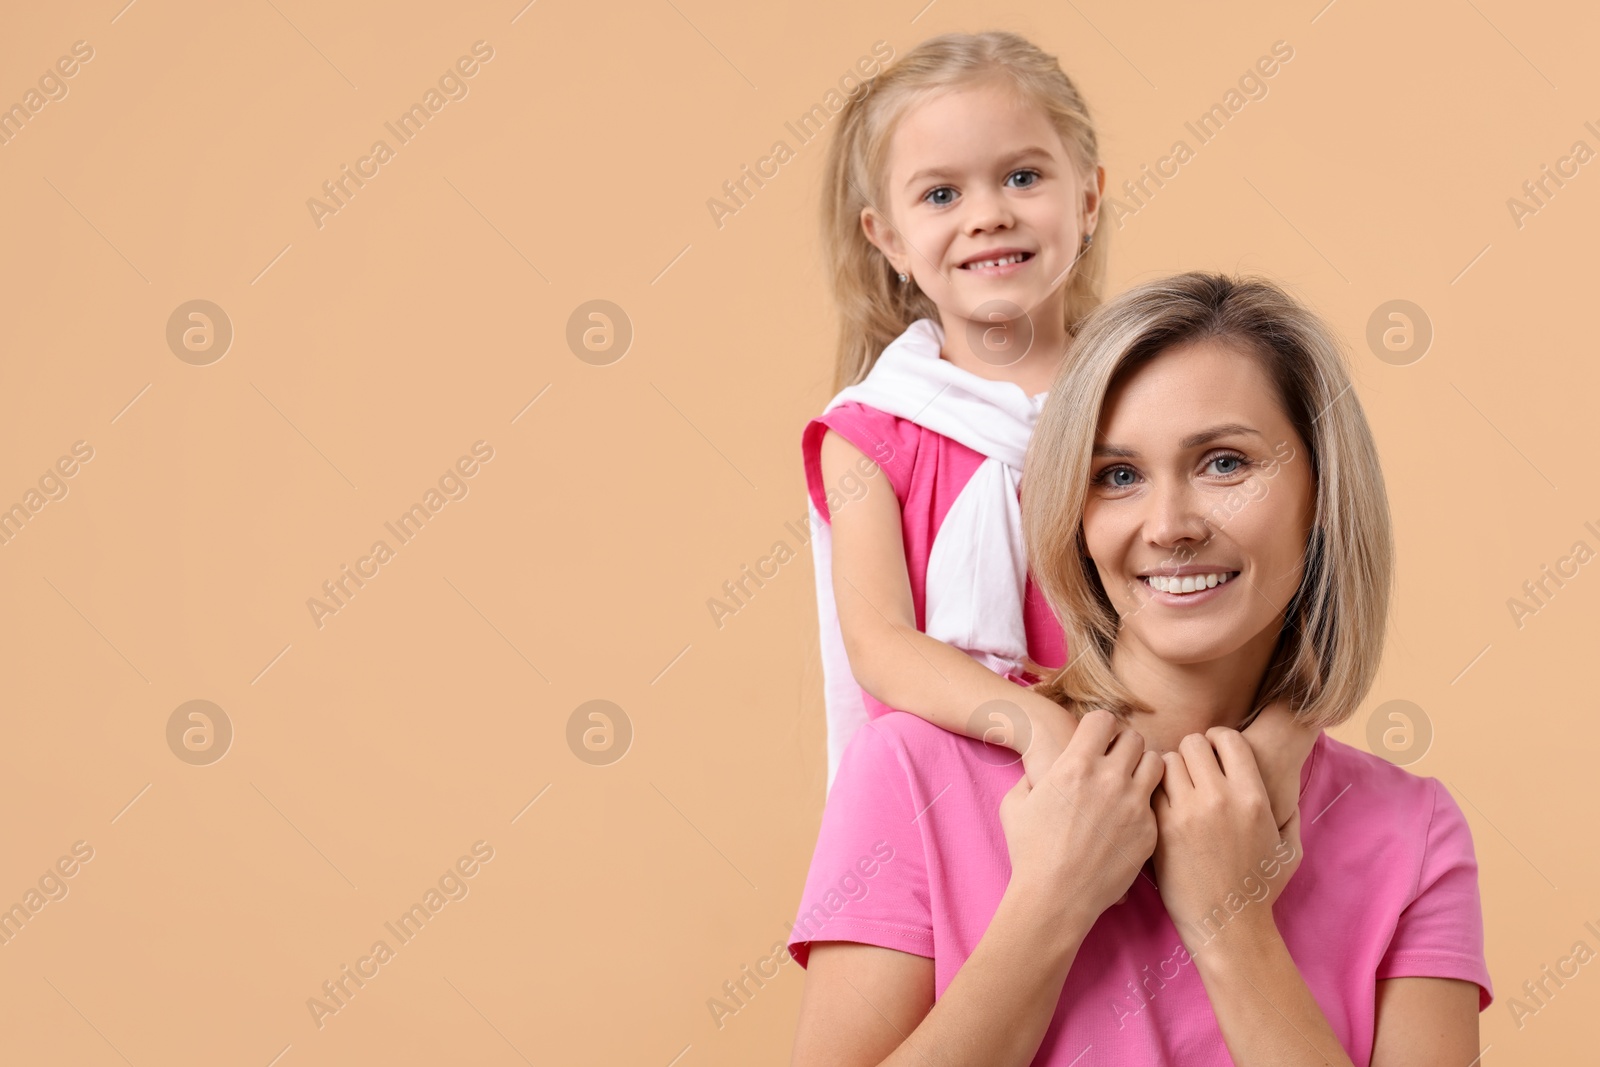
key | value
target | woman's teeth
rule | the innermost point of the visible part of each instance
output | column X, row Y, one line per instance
column 1015, row 257
column 1189, row 583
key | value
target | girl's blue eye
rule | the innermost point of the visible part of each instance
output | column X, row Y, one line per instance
column 931, row 193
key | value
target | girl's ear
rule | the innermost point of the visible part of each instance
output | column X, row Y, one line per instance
column 884, row 238
column 1091, row 199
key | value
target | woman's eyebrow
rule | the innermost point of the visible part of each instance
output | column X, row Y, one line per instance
column 1194, row 440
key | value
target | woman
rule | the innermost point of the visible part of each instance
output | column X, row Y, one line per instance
column 1204, row 510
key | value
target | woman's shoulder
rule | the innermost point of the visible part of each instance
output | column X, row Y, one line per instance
column 907, row 745
column 1373, row 771
column 1381, row 801
column 911, row 734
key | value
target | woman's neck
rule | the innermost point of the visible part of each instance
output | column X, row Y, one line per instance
column 1190, row 698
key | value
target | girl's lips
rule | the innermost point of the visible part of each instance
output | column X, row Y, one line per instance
column 1000, row 271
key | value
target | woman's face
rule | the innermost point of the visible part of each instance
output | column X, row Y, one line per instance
column 1199, row 482
column 971, row 172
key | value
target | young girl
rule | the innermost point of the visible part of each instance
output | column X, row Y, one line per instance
column 961, row 209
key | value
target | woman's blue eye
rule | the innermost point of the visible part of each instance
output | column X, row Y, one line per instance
column 1032, row 172
column 940, row 189
column 1239, row 463
column 1110, row 476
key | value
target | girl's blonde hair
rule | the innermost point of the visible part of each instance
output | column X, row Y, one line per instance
column 874, row 307
column 1331, row 639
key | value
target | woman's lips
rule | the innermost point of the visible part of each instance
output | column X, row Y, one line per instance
column 1205, row 591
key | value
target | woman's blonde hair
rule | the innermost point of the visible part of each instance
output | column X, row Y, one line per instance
column 874, row 307
column 1332, row 635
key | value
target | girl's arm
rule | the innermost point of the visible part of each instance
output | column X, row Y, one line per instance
column 899, row 664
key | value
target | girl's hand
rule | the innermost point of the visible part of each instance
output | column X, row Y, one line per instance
column 1080, row 839
column 1049, row 728
column 1220, row 861
column 1280, row 745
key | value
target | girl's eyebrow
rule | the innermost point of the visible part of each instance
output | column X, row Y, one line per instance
column 1194, row 440
column 942, row 172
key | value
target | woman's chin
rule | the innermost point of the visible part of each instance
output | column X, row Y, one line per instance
column 1190, row 650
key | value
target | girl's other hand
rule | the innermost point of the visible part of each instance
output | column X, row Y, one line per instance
column 1049, row 728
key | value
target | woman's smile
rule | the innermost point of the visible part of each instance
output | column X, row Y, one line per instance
column 1196, row 587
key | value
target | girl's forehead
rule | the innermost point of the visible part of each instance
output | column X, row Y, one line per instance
column 958, row 122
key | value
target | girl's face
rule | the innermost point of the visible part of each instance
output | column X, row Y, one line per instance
column 1198, row 481
column 975, row 173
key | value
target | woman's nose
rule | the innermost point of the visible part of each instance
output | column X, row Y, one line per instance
column 1175, row 515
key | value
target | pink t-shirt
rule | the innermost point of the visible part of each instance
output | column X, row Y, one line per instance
column 927, row 471
column 911, row 856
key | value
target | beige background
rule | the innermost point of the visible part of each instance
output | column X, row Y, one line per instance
column 432, row 710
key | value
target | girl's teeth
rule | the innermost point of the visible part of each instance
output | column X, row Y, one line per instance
column 1015, row 257
column 1189, row 583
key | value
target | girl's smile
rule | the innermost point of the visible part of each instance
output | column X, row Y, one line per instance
column 1000, row 263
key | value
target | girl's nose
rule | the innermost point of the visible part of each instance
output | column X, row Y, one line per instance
column 987, row 210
